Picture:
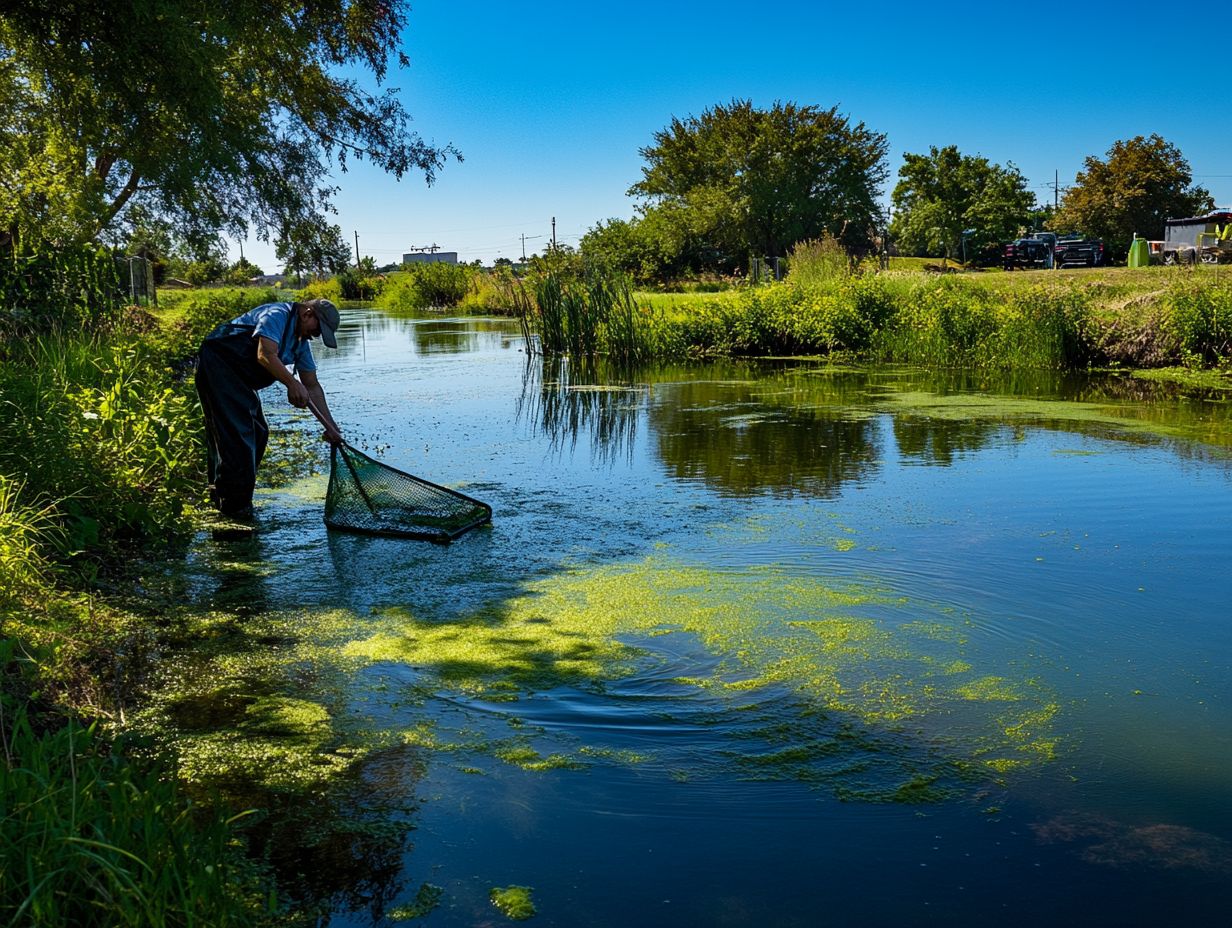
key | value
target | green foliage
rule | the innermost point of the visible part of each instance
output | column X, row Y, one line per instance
column 589, row 316
column 215, row 116
column 354, row 286
column 1143, row 182
column 328, row 288
column 945, row 324
column 664, row 243
column 1199, row 318
column 943, row 193
column 242, row 271
column 738, row 180
column 425, row 286
column 70, row 289
column 87, row 838
column 102, row 430
column 787, row 319
column 22, row 565
column 314, row 246
column 194, row 314
column 491, row 292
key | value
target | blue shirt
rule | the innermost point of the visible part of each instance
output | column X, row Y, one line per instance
column 276, row 321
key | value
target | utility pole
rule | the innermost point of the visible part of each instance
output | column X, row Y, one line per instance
column 1056, row 189
column 553, row 233
column 357, row 248
column 524, row 237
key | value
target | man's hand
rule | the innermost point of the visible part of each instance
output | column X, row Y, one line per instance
column 333, row 436
column 297, row 394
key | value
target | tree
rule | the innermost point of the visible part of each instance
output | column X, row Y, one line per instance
column 216, row 116
column 313, row 246
column 945, row 193
column 241, row 272
column 1143, row 182
column 739, row 180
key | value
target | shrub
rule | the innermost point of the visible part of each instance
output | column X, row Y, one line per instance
column 1199, row 318
column 427, row 286
column 196, row 313
column 104, row 431
column 491, row 292
column 65, row 290
column 328, row 289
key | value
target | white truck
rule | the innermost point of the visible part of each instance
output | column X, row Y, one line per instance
column 1196, row 238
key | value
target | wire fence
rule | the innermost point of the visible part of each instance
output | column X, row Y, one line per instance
column 79, row 288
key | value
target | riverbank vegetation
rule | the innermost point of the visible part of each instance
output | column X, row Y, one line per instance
column 1146, row 318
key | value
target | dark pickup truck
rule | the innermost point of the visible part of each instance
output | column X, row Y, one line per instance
column 1029, row 252
column 1075, row 250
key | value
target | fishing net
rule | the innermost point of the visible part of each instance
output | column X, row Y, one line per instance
column 372, row 498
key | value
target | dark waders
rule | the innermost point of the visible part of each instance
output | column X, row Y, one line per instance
column 228, row 378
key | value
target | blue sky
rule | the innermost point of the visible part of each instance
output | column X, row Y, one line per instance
column 549, row 102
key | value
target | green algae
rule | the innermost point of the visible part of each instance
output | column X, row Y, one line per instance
column 233, row 710
column 427, row 898
column 527, row 758
column 513, row 902
column 1130, row 419
column 1188, row 377
column 855, row 660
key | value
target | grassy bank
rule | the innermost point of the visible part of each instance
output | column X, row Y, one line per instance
column 101, row 464
column 1147, row 318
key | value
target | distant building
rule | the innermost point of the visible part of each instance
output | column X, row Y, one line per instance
column 270, row 280
column 430, row 257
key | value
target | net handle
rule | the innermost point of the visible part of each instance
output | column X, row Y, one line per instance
column 312, row 407
column 347, row 461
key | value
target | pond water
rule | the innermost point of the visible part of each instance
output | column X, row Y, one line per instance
column 772, row 643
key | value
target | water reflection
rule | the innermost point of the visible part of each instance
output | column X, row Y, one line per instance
column 561, row 401
column 746, row 439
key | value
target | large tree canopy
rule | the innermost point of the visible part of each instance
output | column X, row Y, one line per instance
column 945, row 193
column 220, row 116
column 759, row 181
column 1143, row 182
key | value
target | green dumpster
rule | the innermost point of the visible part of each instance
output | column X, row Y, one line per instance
column 1139, row 253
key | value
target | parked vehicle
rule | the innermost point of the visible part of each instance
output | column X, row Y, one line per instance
column 1034, row 251
column 1076, row 250
column 1197, row 238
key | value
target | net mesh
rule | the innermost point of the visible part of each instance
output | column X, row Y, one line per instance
column 372, row 498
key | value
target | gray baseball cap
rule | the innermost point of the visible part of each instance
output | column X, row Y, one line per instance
column 327, row 315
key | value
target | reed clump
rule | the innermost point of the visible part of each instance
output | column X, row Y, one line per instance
column 588, row 316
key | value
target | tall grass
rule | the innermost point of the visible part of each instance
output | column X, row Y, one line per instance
column 23, row 567
column 88, row 838
column 1002, row 321
column 817, row 262
column 1199, row 319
